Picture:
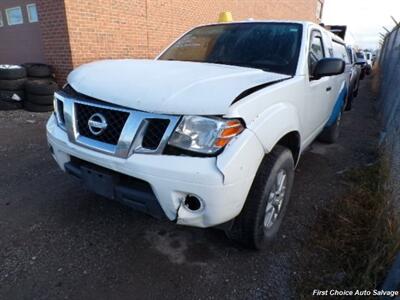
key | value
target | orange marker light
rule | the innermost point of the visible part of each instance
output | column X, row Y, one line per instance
column 231, row 132
column 232, row 129
column 232, row 123
column 221, row 142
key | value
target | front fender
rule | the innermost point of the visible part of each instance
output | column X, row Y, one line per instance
column 274, row 123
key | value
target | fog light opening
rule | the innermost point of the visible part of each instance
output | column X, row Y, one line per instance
column 192, row 203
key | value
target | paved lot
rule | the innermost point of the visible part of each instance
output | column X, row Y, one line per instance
column 59, row 241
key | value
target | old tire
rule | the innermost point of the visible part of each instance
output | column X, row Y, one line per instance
column 9, row 104
column 40, row 99
column 38, row 70
column 41, row 87
column 36, row 107
column 12, row 95
column 10, row 72
column 253, row 227
column 12, row 84
column 330, row 134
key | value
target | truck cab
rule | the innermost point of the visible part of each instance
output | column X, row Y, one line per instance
column 208, row 133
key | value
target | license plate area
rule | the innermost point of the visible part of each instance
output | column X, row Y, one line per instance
column 99, row 182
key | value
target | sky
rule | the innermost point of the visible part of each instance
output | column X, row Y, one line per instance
column 364, row 19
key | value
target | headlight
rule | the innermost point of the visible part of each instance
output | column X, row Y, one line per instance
column 204, row 135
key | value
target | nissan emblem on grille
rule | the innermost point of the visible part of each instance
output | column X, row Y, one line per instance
column 97, row 124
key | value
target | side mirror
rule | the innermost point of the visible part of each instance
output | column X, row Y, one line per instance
column 328, row 67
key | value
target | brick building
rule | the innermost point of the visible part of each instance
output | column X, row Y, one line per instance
column 67, row 33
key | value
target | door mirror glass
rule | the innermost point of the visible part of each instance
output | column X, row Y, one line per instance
column 328, row 67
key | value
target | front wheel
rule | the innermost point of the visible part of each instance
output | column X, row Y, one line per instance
column 262, row 214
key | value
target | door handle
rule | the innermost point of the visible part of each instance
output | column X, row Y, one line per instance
column 328, row 88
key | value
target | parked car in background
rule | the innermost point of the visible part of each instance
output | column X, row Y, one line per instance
column 362, row 61
column 209, row 133
column 373, row 58
column 354, row 83
column 369, row 59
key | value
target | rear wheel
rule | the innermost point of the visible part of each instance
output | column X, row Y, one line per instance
column 355, row 93
column 261, row 217
column 331, row 133
column 362, row 76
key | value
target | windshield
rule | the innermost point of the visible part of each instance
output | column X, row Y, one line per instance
column 360, row 55
column 272, row 47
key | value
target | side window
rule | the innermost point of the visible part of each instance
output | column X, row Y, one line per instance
column 350, row 55
column 317, row 51
column 339, row 51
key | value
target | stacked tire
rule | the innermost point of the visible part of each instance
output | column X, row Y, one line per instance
column 12, row 82
column 39, row 88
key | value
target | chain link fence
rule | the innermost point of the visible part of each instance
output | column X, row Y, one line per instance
column 388, row 106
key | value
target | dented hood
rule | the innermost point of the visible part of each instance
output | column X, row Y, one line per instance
column 170, row 87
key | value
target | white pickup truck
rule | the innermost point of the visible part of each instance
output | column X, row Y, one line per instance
column 208, row 133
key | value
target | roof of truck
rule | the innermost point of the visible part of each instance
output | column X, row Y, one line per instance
column 300, row 22
column 262, row 21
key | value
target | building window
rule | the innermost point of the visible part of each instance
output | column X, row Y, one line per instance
column 32, row 13
column 319, row 9
column 14, row 16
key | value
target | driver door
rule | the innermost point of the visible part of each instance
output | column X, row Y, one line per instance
column 319, row 90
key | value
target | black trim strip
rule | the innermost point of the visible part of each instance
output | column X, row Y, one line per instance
column 256, row 88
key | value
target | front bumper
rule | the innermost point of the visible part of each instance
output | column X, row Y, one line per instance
column 172, row 178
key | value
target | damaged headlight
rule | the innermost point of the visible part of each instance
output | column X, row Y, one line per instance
column 205, row 135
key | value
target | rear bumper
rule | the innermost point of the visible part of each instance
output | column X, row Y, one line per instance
column 172, row 178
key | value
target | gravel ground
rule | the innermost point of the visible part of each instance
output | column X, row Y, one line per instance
column 59, row 241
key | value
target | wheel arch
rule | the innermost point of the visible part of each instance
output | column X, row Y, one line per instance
column 292, row 141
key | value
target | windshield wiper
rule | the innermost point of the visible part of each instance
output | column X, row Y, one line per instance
column 239, row 64
column 229, row 63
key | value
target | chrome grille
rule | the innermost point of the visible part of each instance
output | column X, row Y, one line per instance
column 115, row 122
column 128, row 131
column 154, row 132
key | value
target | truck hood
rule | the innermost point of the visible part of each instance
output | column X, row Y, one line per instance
column 169, row 87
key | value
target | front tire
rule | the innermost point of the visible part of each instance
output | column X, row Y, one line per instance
column 261, row 217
